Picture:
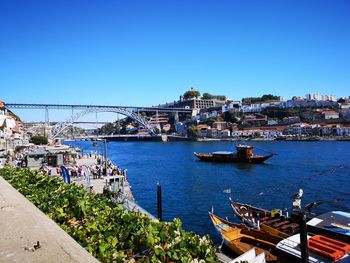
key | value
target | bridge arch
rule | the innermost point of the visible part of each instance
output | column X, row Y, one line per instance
column 59, row 127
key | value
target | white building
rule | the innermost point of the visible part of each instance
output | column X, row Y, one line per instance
column 255, row 107
column 329, row 114
column 313, row 96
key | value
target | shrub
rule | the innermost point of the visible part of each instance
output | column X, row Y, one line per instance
column 39, row 140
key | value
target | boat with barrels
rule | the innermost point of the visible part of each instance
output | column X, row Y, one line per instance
column 241, row 239
column 244, row 154
column 270, row 221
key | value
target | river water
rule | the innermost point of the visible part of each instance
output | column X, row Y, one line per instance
column 191, row 187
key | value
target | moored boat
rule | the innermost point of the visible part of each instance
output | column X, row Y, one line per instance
column 244, row 154
column 321, row 249
column 240, row 239
column 270, row 221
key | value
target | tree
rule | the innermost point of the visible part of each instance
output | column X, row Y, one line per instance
column 191, row 94
column 264, row 98
column 39, row 140
column 193, row 132
column 231, row 116
column 207, row 96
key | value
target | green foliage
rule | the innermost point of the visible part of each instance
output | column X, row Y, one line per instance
column 230, row 116
column 264, row 98
column 108, row 128
column 281, row 113
column 39, row 140
column 104, row 228
column 208, row 96
column 193, row 132
column 191, row 94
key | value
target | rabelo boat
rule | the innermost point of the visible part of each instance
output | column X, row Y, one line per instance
column 244, row 154
column 270, row 221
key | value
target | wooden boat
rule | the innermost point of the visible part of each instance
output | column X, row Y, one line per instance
column 321, row 249
column 245, row 154
column 270, row 221
column 241, row 239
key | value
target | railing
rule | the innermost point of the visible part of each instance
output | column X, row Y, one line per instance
column 130, row 205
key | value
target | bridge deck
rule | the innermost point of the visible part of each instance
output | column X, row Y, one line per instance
column 83, row 107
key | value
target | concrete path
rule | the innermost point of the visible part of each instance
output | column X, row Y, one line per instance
column 22, row 225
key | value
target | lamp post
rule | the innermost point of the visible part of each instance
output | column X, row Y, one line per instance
column 105, row 155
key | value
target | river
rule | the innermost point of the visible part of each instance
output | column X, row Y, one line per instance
column 191, row 188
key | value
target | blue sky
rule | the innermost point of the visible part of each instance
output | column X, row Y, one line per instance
column 144, row 53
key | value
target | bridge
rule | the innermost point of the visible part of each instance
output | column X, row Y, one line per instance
column 129, row 111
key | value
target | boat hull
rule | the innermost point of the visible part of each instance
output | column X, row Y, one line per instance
column 231, row 158
column 241, row 239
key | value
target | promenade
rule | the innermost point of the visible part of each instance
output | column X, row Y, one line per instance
column 22, row 225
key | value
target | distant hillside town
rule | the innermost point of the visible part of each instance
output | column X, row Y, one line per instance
column 268, row 116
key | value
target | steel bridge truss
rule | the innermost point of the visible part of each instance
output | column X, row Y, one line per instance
column 59, row 127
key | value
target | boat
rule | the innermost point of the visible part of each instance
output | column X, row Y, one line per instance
column 321, row 249
column 328, row 238
column 334, row 224
column 244, row 154
column 241, row 239
column 270, row 221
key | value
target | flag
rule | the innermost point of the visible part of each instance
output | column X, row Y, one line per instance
column 227, row 191
column 65, row 174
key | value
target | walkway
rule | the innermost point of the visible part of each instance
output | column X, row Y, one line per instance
column 22, row 225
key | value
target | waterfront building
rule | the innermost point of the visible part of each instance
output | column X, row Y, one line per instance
column 212, row 133
column 303, row 129
column 203, row 129
column 220, row 125
column 343, row 131
column 224, row 133
column 266, row 133
column 328, row 130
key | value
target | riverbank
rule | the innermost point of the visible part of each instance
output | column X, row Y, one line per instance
column 273, row 139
